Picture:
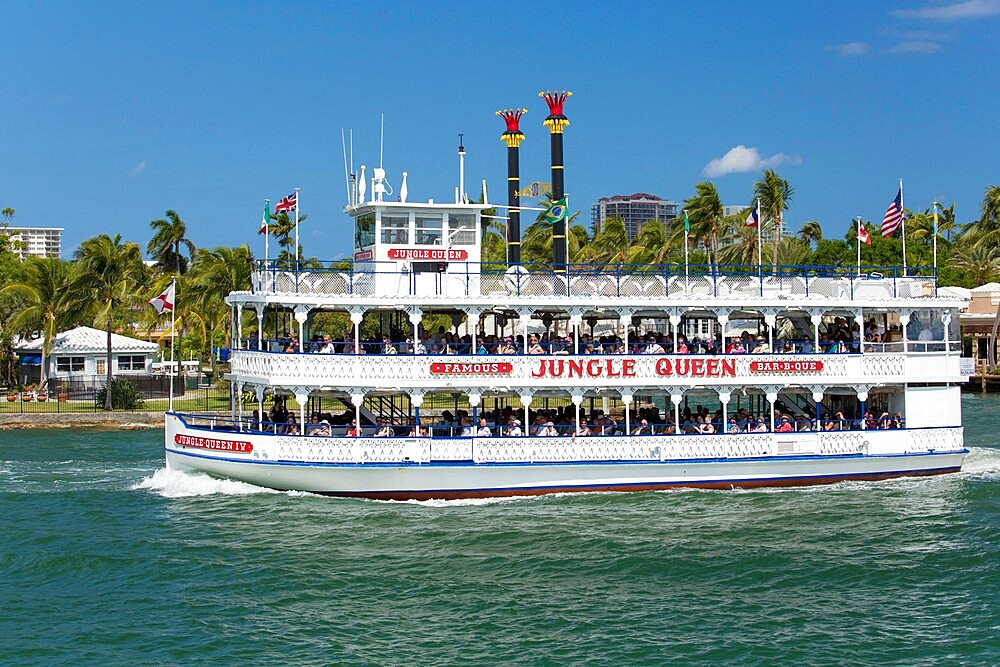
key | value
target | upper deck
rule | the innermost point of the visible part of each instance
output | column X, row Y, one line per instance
column 431, row 276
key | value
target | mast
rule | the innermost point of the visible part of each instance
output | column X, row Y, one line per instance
column 513, row 137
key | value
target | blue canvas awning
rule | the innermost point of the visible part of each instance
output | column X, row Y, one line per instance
column 31, row 360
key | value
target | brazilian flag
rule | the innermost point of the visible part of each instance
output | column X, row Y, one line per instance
column 556, row 211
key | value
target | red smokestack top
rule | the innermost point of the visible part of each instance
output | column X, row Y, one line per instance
column 512, row 117
column 555, row 100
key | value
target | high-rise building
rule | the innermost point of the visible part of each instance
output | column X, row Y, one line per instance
column 36, row 241
column 633, row 210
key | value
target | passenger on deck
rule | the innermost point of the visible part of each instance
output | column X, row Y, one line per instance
column 785, row 425
column 484, row 428
column 352, row 430
column 534, row 347
column 734, row 426
column 291, row 425
column 642, row 429
column 652, row 347
column 761, row 346
column 384, row 429
column 322, row 428
column 293, row 346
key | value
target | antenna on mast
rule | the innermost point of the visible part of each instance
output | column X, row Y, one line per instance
column 347, row 174
column 461, row 198
column 381, row 141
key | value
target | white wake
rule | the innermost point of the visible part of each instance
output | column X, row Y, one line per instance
column 176, row 484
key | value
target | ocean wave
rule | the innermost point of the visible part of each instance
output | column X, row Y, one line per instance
column 176, row 484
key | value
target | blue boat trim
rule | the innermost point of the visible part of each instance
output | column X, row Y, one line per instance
column 617, row 462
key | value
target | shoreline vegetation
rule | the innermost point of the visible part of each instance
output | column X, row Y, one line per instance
column 107, row 283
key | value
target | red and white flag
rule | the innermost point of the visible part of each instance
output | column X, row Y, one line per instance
column 287, row 204
column 863, row 234
column 164, row 301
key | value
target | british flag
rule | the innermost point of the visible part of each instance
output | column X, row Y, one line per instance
column 289, row 203
column 893, row 215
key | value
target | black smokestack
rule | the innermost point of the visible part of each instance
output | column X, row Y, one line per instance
column 557, row 122
column 513, row 137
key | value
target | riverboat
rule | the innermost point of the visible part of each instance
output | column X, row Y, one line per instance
column 418, row 371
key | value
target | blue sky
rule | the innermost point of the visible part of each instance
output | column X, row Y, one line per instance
column 114, row 112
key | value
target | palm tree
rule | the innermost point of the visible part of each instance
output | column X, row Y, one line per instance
column 168, row 239
column 651, row 245
column 742, row 250
column 774, row 194
column 108, row 274
column 946, row 221
column 283, row 229
column 811, row 232
column 705, row 213
column 986, row 230
column 216, row 273
column 8, row 215
column 977, row 261
column 43, row 292
column 609, row 246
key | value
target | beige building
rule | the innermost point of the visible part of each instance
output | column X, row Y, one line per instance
column 978, row 318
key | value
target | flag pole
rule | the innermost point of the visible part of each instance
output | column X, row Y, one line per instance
column 935, row 237
column 173, row 326
column 297, row 230
column 859, row 246
column 760, row 261
column 267, row 231
column 902, row 213
column 686, row 272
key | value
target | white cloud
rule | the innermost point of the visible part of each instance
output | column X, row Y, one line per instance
column 967, row 9
column 742, row 159
column 916, row 47
column 852, row 49
column 137, row 169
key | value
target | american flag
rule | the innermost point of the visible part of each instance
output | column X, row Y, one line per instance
column 289, row 203
column 893, row 215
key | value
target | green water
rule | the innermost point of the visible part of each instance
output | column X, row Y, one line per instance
column 107, row 558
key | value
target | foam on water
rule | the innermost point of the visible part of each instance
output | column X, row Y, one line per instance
column 176, row 484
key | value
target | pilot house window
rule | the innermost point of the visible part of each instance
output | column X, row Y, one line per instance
column 462, row 228
column 428, row 229
column 395, row 228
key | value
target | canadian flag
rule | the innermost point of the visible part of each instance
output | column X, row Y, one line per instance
column 164, row 301
column 863, row 235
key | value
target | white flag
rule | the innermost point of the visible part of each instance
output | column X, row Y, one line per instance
column 164, row 301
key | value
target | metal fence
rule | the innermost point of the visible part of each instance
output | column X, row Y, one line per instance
column 83, row 394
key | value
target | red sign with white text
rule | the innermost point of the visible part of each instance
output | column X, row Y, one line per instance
column 363, row 255
column 786, row 366
column 499, row 368
column 241, row 447
column 433, row 254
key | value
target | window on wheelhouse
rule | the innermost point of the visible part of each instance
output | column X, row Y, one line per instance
column 428, row 229
column 462, row 228
column 364, row 230
column 925, row 331
column 395, row 228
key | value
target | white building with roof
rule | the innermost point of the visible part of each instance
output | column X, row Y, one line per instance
column 36, row 241
column 83, row 352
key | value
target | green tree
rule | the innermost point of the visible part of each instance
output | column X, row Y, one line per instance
column 774, row 194
column 980, row 263
column 168, row 242
column 811, row 232
column 651, row 245
column 282, row 228
column 109, row 275
column 705, row 213
column 42, row 293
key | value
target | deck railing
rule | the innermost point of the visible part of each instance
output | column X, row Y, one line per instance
column 629, row 281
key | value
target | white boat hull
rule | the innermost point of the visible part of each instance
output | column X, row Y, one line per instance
column 352, row 467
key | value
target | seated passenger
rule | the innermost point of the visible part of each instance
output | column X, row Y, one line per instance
column 484, row 429
column 548, row 430
column 322, row 428
column 642, row 429
column 761, row 346
column 652, row 347
column 384, row 429
column 353, row 431
column 534, row 347
column 733, row 427
column 293, row 346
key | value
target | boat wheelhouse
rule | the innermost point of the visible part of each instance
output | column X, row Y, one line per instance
column 415, row 370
